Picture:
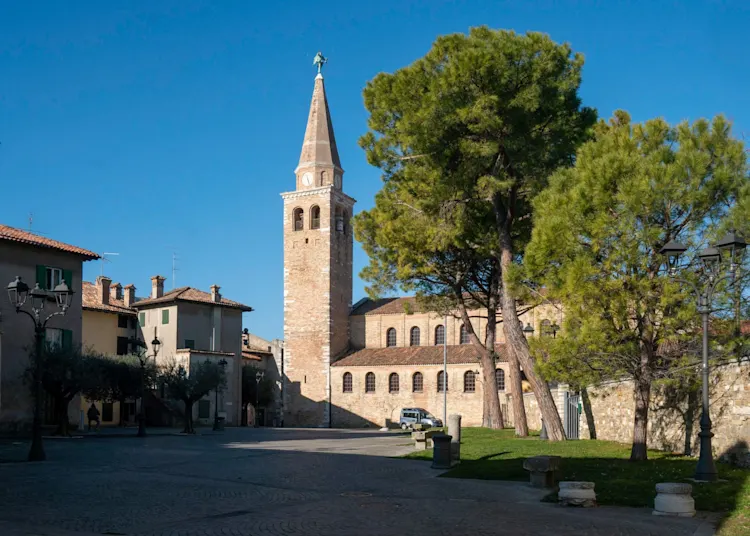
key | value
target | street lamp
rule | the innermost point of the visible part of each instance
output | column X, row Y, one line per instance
column 528, row 330
column 258, row 378
column 709, row 279
column 222, row 364
column 18, row 294
column 142, row 360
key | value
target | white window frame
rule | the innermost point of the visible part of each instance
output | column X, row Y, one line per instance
column 53, row 337
column 50, row 279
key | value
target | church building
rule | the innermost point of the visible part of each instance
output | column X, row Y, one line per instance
column 358, row 365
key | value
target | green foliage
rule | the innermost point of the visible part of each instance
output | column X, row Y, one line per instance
column 598, row 230
column 120, row 378
column 251, row 388
column 191, row 385
column 66, row 372
column 482, row 117
column 497, row 455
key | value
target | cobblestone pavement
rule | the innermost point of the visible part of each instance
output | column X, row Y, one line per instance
column 248, row 482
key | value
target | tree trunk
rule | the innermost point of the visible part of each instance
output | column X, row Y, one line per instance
column 188, row 418
column 492, row 413
column 63, row 425
column 520, row 423
column 642, row 393
column 122, row 412
column 586, row 402
column 518, row 345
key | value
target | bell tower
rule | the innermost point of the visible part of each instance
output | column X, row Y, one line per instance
column 317, row 269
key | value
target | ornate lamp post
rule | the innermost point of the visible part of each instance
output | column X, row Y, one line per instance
column 222, row 364
column 258, row 378
column 709, row 278
column 18, row 293
column 143, row 360
column 528, row 330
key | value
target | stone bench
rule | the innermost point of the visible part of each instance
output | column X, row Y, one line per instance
column 542, row 470
column 423, row 439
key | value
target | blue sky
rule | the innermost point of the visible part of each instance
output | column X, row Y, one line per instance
column 152, row 127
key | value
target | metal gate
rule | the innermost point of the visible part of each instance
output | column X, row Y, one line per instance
column 571, row 415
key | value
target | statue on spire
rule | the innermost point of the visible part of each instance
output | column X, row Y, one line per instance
column 319, row 61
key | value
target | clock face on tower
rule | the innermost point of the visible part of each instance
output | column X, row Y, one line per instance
column 307, row 179
column 337, row 180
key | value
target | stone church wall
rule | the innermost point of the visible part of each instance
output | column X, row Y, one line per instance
column 382, row 408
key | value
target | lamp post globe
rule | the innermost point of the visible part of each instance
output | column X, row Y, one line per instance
column 17, row 292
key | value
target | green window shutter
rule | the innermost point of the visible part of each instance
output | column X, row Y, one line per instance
column 165, row 316
column 41, row 276
column 68, row 277
column 142, row 319
column 67, row 339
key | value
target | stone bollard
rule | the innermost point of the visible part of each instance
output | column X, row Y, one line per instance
column 577, row 494
column 674, row 499
column 542, row 470
column 454, row 430
column 441, row 452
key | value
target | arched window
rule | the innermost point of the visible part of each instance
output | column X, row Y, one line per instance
column 345, row 218
column 369, row 382
column 339, row 220
column 414, row 336
column 347, row 382
column 470, row 381
column 440, row 334
column 500, row 379
column 464, row 335
column 417, row 382
column 442, row 382
column 315, row 217
column 393, row 383
column 390, row 337
column 323, row 178
column 545, row 328
column 298, row 219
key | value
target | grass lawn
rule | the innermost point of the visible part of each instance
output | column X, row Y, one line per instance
column 498, row 455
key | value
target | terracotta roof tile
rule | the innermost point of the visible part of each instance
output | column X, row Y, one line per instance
column 24, row 237
column 90, row 297
column 190, row 294
column 413, row 355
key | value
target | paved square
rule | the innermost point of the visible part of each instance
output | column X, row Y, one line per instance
column 278, row 482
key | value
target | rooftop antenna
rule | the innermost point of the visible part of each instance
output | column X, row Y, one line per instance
column 174, row 269
column 105, row 259
column 31, row 224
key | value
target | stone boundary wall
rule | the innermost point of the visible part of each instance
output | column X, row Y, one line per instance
column 673, row 421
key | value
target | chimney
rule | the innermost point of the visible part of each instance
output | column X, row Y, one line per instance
column 129, row 297
column 115, row 291
column 102, row 289
column 157, row 286
column 215, row 295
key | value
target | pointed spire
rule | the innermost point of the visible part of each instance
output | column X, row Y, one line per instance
column 319, row 145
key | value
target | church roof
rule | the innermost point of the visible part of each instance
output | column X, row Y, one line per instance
column 387, row 306
column 413, row 355
column 319, row 145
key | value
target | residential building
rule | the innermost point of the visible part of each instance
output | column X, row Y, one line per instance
column 193, row 326
column 109, row 323
column 44, row 261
